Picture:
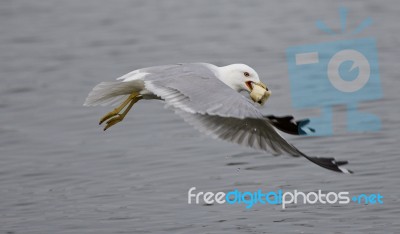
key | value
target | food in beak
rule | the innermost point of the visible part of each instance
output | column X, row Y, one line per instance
column 259, row 93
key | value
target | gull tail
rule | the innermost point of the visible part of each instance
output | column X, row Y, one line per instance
column 111, row 93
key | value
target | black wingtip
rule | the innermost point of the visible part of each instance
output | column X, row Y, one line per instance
column 288, row 125
column 330, row 163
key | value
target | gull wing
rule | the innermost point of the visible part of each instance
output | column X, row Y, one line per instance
column 195, row 89
column 215, row 109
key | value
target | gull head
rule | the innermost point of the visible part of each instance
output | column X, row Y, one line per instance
column 241, row 77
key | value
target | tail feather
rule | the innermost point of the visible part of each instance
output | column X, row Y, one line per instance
column 110, row 93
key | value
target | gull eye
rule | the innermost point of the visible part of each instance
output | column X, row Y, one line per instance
column 246, row 74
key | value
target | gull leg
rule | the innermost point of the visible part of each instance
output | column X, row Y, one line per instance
column 118, row 109
column 119, row 117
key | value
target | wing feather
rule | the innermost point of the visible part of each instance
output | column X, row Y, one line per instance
column 196, row 89
column 254, row 133
column 209, row 105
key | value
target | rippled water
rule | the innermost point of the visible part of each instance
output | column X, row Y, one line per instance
column 60, row 173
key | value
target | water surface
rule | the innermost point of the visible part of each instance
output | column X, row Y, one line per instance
column 60, row 173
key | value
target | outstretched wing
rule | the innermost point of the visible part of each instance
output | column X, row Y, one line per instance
column 195, row 89
column 254, row 133
column 217, row 110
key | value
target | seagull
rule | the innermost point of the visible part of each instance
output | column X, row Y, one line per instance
column 210, row 99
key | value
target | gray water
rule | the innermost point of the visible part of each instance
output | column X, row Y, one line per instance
column 60, row 173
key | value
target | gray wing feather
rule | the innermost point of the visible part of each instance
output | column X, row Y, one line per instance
column 209, row 105
column 215, row 109
column 195, row 89
column 255, row 133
